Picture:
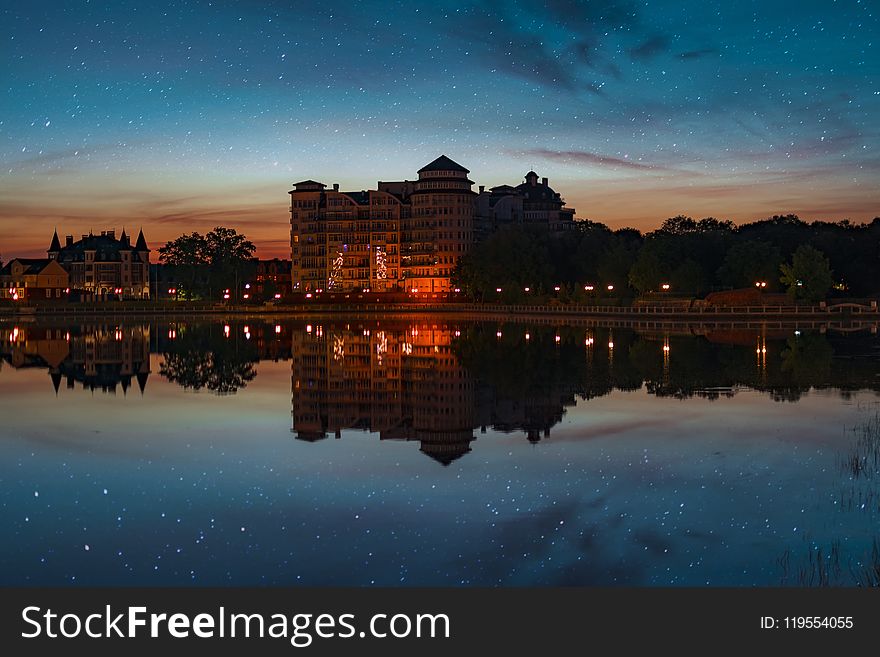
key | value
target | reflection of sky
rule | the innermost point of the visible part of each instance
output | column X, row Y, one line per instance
column 181, row 116
column 215, row 490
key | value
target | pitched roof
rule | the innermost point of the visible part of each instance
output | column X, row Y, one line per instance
column 31, row 265
column 141, row 242
column 443, row 163
column 56, row 244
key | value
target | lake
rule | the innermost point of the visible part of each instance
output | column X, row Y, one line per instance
column 435, row 451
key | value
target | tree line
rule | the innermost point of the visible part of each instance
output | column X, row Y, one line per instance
column 684, row 257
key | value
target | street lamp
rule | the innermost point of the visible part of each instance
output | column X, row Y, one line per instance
column 610, row 287
column 665, row 287
column 762, row 284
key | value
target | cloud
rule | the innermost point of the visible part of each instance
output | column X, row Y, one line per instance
column 515, row 39
column 650, row 48
column 589, row 158
column 698, row 54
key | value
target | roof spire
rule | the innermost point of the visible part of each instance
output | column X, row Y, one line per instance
column 56, row 244
column 141, row 242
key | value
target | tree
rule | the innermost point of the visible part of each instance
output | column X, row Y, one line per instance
column 808, row 276
column 748, row 262
column 223, row 254
column 188, row 256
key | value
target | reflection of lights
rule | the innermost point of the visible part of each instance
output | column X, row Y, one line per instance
column 308, row 328
column 558, row 338
column 611, row 345
column 247, row 329
column 278, row 328
column 457, row 290
column 528, row 337
column 527, row 289
column 415, row 332
column 498, row 334
column 247, row 286
column 246, row 296
column 457, row 333
column 407, row 348
column 319, row 330
column 556, row 288
column 414, row 290
column 117, row 335
column 172, row 334
column 225, row 296
column 277, row 296
column 14, row 334
column 309, row 295
column 498, row 289
column 247, row 336
column 226, row 330
column 797, row 332
column 666, row 348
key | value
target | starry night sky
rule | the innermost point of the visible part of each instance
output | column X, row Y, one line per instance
column 179, row 116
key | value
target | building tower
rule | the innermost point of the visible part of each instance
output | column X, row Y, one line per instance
column 440, row 229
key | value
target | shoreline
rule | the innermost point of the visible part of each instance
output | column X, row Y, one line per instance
column 621, row 315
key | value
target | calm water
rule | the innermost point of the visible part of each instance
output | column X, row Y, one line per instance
column 436, row 452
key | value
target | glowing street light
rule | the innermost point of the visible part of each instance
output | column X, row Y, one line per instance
column 761, row 284
column 498, row 290
column 665, row 287
column 527, row 289
column 556, row 288
column 610, row 287
column 588, row 288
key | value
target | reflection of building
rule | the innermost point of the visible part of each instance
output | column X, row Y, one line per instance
column 27, row 279
column 101, row 357
column 403, row 383
column 104, row 265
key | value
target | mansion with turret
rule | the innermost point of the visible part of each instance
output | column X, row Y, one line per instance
column 104, row 266
column 407, row 236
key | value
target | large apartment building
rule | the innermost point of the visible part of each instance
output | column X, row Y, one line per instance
column 405, row 235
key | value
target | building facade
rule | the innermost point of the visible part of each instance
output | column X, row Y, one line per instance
column 406, row 236
column 104, row 266
column 33, row 279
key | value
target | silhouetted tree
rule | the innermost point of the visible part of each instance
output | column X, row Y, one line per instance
column 223, row 254
column 748, row 262
column 808, row 276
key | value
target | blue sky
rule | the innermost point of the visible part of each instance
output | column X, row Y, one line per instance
column 177, row 116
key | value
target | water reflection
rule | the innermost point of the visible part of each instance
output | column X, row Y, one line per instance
column 97, row 357
column 437, row 382
column 581, row 454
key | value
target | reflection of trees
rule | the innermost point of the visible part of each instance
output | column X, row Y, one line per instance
column 691, row 366
column 202, row 356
